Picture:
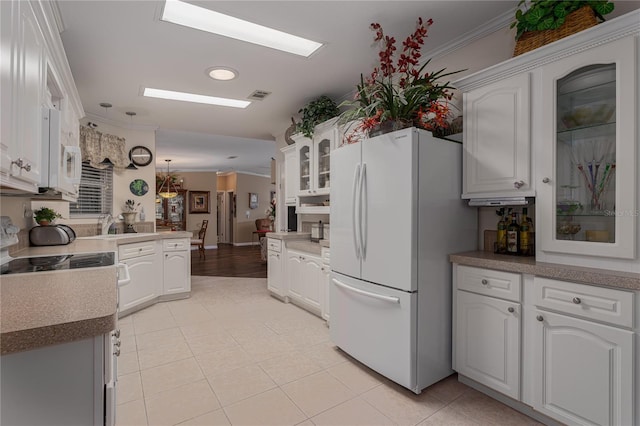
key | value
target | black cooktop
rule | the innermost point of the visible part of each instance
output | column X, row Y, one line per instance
column 56, row 263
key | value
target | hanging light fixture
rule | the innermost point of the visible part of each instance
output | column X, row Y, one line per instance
column 131, row 166
column 170, row 191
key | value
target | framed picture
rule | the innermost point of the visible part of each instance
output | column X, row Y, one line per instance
column 199, row 202
column 253, row 200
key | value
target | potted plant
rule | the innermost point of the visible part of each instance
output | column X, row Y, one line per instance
column 534, row 16
column 45, row 216
column 398, row 93
column 316, row 111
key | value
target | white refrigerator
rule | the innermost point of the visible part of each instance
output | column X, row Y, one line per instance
column 396, row 215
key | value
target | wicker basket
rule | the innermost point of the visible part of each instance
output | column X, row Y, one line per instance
column 576, row 21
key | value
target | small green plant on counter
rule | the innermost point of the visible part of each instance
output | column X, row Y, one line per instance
column 130, row 206
column 45, row 215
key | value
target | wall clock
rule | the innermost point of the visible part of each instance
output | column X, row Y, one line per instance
column 140, row 156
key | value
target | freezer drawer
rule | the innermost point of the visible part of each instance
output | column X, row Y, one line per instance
column 377, row 326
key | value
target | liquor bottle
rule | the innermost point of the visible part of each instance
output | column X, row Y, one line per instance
column 501, row 240
column 525, row 235
column 513, row 235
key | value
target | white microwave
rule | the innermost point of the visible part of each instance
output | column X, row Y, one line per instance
column 61, row 164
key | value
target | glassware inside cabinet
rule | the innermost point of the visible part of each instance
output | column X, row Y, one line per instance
column 586, row 155
column 324, row 163
column 305, row 163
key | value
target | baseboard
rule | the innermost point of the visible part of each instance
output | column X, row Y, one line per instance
column 206, row 247
column 245, row 244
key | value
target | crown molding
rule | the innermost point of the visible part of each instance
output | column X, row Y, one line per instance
column 117, row 123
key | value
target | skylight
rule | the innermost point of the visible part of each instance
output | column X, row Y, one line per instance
column 191, row 97
column 207, row 20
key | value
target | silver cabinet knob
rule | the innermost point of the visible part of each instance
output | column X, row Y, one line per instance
column 577, row 300
column 546, row 180
column 117, row 352
column 166, row 255
column 116, row 333
column 484, row 281
column 540, row 318
column 117, row 343
column 518, row 184
column 21, row 164
column 510, row 309
column 27, row 167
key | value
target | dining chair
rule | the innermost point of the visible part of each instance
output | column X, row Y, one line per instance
column 200, row 240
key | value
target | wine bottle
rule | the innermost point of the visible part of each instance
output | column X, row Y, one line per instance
column 513, row 235
column 525, row 234
column 501, row 239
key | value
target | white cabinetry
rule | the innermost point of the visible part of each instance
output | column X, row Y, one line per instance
column 176, row 266
column 583, row 369
column 276, row 283
column 291, row 174
column 497, row 154
column 588, row 189
column 304, row 278
column 487, row 328
column 144, row 260
column 325, row 282
column 23, row 83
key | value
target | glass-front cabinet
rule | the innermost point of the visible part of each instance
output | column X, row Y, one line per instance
column 314, row 161
column 304, row 152
column 171, row 213
column 322, row 155
column 588, row 185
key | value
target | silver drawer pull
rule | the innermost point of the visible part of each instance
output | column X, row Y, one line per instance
column 484, row 281
column 540, row 318
column 577, row 300
column 510, row 309
column 518, row 184
column 117, row 352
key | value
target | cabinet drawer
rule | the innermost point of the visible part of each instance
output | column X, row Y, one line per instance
column 597, row 303
column 326, row 255
column 505, row 285
column 128, row 251
column 274, row 245
column 175, row 244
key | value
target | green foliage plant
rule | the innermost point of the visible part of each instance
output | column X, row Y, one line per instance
column 538, row 15
column 317, row 111
column 46, row 214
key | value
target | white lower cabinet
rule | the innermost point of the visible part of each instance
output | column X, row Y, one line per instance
column 275, row 269
column 488, row 341
column 583, row 370
column 578, row 363
column 304, row 277
column 176, row 266
column 143, row 260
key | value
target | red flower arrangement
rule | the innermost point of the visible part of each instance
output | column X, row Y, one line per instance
column 398, row 91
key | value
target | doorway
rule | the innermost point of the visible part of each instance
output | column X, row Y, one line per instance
column 221, row 217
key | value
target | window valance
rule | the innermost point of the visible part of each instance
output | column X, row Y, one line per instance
column 96, row 146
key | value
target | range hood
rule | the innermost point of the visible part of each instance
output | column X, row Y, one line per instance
column 501, row 201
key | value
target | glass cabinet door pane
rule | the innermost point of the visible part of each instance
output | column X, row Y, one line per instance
column 305, row 174
column 324, row 163
column 586, row 155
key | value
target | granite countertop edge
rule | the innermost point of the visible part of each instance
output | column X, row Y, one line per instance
column 528, row 265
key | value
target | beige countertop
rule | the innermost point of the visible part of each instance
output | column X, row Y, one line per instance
column 45, row 308
column 305, row 246
column 528, row 265
column 285, row 236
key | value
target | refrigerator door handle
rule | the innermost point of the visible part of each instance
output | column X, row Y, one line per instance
column 389, row 299
column 355, row 210
column 364, row 209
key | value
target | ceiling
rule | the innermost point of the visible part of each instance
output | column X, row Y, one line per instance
column 115, row 48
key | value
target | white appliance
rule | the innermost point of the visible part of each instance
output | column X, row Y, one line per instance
column 61, row 164
column 395, row 218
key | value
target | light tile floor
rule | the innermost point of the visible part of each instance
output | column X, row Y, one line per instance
column 233, row 355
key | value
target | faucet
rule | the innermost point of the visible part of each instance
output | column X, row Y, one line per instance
column 105, row 221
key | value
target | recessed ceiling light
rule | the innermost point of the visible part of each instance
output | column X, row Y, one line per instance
column 191, row 97
column 207, row 20
column 231, row 157
column 222, row 73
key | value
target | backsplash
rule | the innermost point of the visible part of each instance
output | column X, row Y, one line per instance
column 81, row 230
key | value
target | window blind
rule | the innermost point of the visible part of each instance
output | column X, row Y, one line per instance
column 96, row 192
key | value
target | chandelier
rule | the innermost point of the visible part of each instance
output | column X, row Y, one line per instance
column 168, row 188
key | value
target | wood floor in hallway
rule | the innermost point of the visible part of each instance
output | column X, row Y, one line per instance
column 230, row 261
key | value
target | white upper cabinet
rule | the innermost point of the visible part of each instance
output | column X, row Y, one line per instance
column 23, row 82
column 497, row 152
column 291, row 174
column 588, row 190
column 314, row 159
